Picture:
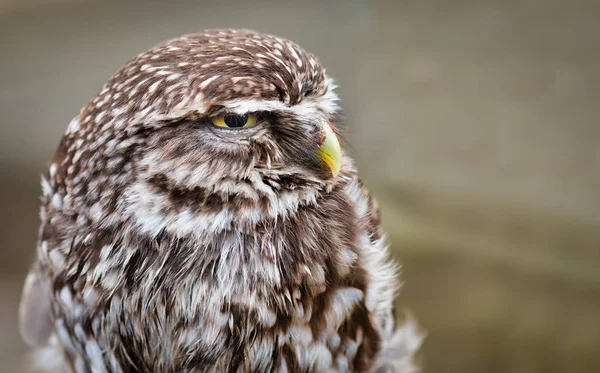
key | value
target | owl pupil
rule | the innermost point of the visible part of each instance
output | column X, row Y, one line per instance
column 236, row 120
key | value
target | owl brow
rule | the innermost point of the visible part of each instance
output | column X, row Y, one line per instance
column 221, row 110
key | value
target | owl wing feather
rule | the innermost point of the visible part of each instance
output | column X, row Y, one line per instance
column 35, row 314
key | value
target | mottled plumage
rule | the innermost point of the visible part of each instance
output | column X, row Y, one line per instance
column 169, row 244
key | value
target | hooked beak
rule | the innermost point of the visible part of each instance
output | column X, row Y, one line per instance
column 330, row 151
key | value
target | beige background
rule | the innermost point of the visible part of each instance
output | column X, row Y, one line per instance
column 475, row 122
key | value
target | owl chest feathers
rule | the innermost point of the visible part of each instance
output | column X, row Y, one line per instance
column 292, row 293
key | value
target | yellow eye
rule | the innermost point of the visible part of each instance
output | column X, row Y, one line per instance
column 235, row 121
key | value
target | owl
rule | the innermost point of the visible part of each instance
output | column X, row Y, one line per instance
column 201, row 215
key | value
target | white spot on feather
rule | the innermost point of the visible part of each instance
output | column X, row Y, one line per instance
column 52, row 170
column 73, row 125
column 46, row 188
column 94, row 354
column 205, row 83
column 154, row 85
column 57, row 201
column 66, row 297
column 342, row 302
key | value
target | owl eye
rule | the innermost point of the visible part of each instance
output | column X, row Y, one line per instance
column 235, row 121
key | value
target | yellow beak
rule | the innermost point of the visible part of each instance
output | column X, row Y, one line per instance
column 330, row 151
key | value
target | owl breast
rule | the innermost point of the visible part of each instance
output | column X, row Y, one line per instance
column 292, row 295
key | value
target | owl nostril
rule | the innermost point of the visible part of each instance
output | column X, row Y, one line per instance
column 317, row 129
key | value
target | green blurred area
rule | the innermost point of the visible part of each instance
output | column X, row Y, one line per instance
column 498, row 291
column 475, row 123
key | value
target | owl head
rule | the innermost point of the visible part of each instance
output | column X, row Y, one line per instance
column 232, row 123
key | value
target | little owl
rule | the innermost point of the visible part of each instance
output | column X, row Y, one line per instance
column 200, row 215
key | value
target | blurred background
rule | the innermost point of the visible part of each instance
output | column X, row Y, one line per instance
column 474, row 122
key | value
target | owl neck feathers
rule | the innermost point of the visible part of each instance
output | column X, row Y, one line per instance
column 223, row 257
column 158, row 204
